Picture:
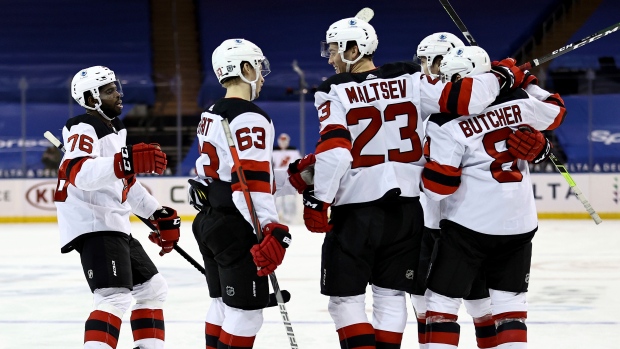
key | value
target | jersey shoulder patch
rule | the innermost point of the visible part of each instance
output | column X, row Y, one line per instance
column 230, row 108
column 100, row 128
column 441, row 118
column 513, row 95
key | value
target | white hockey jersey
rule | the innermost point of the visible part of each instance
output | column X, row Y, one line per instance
column 283, row 157
column 89, row 197
column 253, row 135
column 371, row 129
column 483, row 187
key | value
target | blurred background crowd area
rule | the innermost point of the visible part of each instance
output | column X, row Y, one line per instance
column 161, row 51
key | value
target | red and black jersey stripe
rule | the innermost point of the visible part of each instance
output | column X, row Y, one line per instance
column 257, row 175
column 441, row 179
column 71, row 167
column 455, row 97
column 559, row 119
column 334, row 136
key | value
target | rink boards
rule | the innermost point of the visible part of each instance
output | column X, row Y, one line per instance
column 32, row 200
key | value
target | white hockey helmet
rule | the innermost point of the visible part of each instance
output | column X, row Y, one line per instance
column 89, row 80
column 437, row 44
column 465, row 61
column 227, row 59
column 350, row 29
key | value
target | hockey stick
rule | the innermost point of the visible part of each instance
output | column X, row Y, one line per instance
column 459, row 23
column 558, row 165
column 570, row 47
column 365, row 14
column 258, row 230
column 576, row 190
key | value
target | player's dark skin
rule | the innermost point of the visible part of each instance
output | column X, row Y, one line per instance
column 111, row 103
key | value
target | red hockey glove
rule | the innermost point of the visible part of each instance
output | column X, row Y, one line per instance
column 528, row 79
column 315, row 213
column 510, row 76
column 529, row 144
column 139, row 158
column 268, row 255
column 168, row 223
column 301, row 172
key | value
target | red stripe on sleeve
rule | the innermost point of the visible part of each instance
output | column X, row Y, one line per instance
column 443, row 100
column 333, row 143
column 332, row 127
column 465, row 96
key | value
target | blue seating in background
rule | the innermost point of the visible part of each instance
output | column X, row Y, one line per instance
column 48, row 42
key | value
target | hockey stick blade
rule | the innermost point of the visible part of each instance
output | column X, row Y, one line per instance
column 58, row 144
column 570, row 47
column 365, row 14
column 457, row 20
column 273, row 301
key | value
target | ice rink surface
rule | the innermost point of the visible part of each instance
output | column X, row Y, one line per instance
column 44, row 297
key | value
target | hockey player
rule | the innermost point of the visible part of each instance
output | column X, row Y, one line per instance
column 430, row 53
column 283, row 156
column 488, row 212
column 368, row 168
column 97, row 191
column 223, row 230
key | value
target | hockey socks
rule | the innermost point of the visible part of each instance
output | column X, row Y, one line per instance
column 230, row 341
column 360, row 335
column 388, row 340
column 442, row 331
column 212, row 335
column 511, row 330
column 148, row 328
column 101, row 330
column 422, row 331
column 485, row 332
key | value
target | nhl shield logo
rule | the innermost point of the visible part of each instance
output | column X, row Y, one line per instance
column 230, row 291
column 90, row 273
column 409, row 274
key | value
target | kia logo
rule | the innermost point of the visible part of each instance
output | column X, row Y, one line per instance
column 41, row 196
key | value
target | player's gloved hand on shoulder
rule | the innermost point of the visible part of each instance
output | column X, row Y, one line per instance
column 509, row 75
column 269, row 253
column 315, row 213
column 168, row 223
column 528, row 144
column 139, row 158
column 528, row 79
column 301, row 172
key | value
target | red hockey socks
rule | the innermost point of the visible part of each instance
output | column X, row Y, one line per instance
column 422, row 331
column 442, row 331
column 485, row 332
column 230, row 341
column 148, row 328
column 387, row 339
column 212, row 335
column 357, row 336
column 102, row 327
column 511, row 330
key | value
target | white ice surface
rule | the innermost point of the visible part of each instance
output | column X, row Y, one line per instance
column 44, row 297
